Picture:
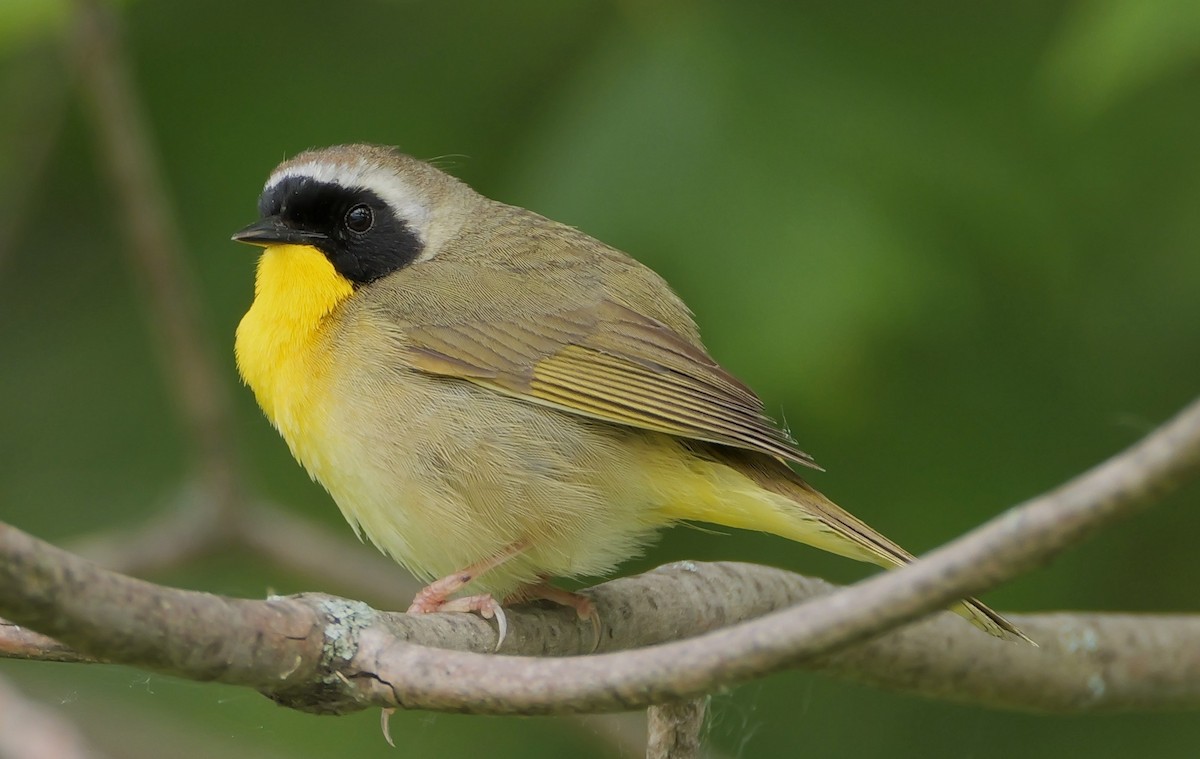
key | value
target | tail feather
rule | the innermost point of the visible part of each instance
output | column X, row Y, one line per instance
column 805, row 515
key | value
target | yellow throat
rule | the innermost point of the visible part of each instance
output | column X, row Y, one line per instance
column 279, row 340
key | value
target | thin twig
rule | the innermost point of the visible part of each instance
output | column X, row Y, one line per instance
column 190, row 527
column 18, row 642
column 39, row 100
column 342, row 564
column 156, row 249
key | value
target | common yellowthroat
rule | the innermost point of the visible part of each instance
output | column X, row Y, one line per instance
column 497, row 399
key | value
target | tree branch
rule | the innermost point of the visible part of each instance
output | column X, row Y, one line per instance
column 284, row 646
column 1087, row 663
column 674, row 729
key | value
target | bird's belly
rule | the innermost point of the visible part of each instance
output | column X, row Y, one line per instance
column 441, row 474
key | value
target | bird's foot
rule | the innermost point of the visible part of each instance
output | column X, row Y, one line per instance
column 436, row 595
column 482, row 603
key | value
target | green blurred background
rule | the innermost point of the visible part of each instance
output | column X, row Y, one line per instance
column 954, row 245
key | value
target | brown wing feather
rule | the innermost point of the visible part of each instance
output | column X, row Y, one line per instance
column 608, row 362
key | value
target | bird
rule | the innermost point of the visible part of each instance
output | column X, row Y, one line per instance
column 495, row 399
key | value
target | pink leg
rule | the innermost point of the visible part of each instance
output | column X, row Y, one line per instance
column 436, row 595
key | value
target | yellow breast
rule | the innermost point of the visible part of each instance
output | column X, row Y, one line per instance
column 282, row 341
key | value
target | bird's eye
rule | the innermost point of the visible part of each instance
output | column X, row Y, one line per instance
column 360, row 218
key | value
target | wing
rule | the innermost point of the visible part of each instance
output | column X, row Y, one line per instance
column 605, row 361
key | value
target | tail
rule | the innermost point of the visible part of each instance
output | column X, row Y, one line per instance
column 756, row 492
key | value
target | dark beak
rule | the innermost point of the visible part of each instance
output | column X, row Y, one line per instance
column 272, row 231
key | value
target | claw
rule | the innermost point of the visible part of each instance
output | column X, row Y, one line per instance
column 597, row 628
column 385, row 716
column 487, row 608
column 501, row 627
